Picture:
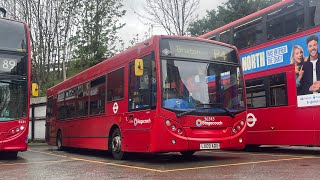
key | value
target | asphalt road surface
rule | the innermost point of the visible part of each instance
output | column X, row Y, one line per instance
column 271, row 162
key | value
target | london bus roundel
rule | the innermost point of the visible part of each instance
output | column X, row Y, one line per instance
column 251, row 120
column 115, row 107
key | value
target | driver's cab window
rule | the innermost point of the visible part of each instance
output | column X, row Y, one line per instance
column 142, row 89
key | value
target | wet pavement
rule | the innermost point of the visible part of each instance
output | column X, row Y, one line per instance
column 278, row 162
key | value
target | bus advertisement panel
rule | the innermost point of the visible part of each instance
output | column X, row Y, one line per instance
column 167, row 94
column 300, row 53
column 279, row 52
column 15, row 64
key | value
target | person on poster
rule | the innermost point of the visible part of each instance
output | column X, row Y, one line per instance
column 310, row 82
column 297, row 59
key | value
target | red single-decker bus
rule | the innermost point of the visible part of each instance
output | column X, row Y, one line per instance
column 166, row 94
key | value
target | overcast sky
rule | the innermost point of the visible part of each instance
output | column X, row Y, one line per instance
column 135, row 26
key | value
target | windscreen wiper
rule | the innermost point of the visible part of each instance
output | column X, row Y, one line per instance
column 216, row 105
column 185, row 113
column 12, row 82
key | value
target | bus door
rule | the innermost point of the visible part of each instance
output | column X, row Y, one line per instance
column 141, row 104
column 50, row 120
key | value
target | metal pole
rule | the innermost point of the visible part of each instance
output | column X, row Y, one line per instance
column 32, row 122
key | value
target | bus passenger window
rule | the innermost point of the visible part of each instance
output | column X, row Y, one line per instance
column 314, row 10
column 115, row 85
column 278, row 90
column 225, row 36
column 286, row 20
column 97, row 96
column 267, row 91
column 49, row 111
column 248, row 34
column 60, row 105
column 256, row 93
column 82, row 98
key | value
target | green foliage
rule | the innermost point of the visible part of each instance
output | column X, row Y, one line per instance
column 97, row 39
column 226, row 13
column 52, row 80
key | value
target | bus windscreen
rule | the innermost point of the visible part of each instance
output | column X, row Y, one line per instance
column 13, row 36
column 197, row 50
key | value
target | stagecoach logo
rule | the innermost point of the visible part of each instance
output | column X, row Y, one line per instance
column 141, row 121
column 251, row 120
column 208, row 121
column 115, row 107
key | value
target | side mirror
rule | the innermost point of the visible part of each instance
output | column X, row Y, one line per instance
column 34, row 90
column 138, row 67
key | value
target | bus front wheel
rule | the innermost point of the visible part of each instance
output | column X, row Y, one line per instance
column 116, row 150
column 59, row 141
column 9, row 155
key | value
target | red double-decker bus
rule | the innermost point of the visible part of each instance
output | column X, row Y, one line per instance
column 166, row 94
column 15, row 69
column 280, row 58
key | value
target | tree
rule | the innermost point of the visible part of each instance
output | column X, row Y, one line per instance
column 96, row 37
column 228, row 12
column 173, row 15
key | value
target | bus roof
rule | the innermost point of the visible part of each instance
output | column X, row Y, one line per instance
column 246, row 18
column 108, row 65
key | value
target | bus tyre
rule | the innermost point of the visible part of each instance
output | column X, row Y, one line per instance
column 252, row 147
column 187, row 153
column 117, row 153
column 11, row 154
column 59, row 141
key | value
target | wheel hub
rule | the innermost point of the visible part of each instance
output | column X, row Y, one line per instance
column 116, row 144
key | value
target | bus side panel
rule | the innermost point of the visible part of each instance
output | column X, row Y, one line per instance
column 316, row 119
column 289, row 125
column 89, row 132
column 136, row 129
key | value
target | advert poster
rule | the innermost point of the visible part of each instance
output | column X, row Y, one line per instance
column 303, row 53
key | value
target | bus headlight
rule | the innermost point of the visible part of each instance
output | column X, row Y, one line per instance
column 168, row 123
column 238, row 126
column 174, row 127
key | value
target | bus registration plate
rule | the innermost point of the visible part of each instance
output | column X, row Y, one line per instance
column 210, row 146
